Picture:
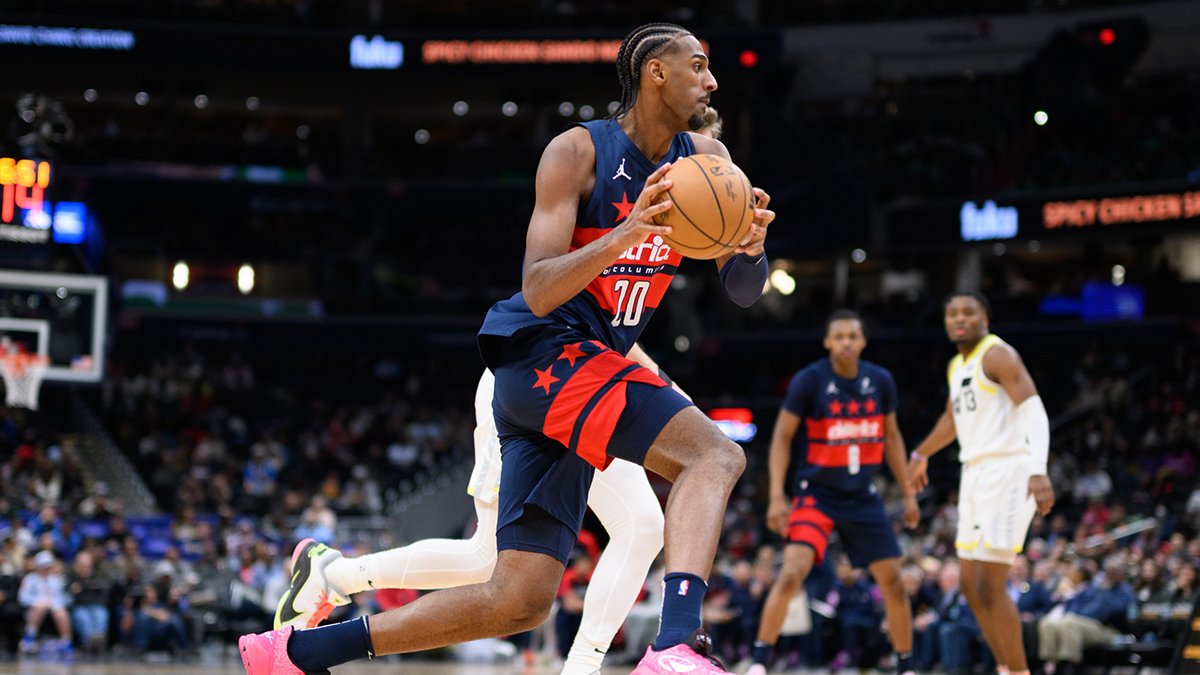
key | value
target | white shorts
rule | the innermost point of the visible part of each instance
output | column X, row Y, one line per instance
column 485, row 478
column 994, row 509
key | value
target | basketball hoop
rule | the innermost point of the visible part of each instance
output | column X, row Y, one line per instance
column 23, row 374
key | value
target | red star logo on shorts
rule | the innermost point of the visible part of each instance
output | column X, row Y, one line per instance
column 623, row 207
column 570, row 353
column 853, row 407
column 835, row 408
column 870, row 405
column 545, row 379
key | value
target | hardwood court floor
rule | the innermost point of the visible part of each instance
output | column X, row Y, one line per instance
column 232, row 666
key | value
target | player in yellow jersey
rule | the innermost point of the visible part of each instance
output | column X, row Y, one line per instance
column 1004, row 438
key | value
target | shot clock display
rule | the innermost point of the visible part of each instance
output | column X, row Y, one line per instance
column 24, row 182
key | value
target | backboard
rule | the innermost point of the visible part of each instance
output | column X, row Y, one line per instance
column 61, row 316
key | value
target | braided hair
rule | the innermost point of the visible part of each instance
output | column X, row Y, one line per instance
column 638, row 46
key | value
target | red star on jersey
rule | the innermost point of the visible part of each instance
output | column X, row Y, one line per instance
column 545, row 379
column 835, row 408
column 623, row 207
column 870, row 405
column 570, row 353
column 853, row 407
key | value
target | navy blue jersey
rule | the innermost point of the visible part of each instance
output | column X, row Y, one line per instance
column 616, row 305
column 841, row 446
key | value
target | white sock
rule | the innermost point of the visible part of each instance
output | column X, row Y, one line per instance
column 585, row 656
column 424, row 565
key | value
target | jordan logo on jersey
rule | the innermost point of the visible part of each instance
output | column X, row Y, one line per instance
column 832, row 388
column 621, row 172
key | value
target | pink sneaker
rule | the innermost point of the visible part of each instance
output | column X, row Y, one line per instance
column 680, row 659
column 266, row 653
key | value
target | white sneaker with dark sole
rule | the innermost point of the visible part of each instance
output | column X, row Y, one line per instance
column 310, row 599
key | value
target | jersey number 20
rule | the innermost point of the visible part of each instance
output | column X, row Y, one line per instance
column 632, row 302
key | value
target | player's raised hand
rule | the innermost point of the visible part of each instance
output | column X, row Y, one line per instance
column 753, row 243
column 777, row 515
column 918, row 473
column 1043, row 493
column 639, row 224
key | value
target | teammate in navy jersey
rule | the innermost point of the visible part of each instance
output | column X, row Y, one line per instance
column 848, row 407
column 566, row 400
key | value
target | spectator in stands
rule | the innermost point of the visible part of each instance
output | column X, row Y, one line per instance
column 1093, row 484
column 1031, row 596
column 733, row 610
column 857, row 613
column 42, row 593
column 1150, row 582
column 46, row 486
column 89, row 608
column 317, row 521
column 98, row 505
column 960, row 639
column 570, row 598
column 69, row 542
column 924, row 601
column 183, row 527
column 151, row 623
column 10, row 607
column 361, row 495
column 258, row 481
column 1182, row 593
column 1086, row 620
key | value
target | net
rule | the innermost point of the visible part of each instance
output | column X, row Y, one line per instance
column 23, row 374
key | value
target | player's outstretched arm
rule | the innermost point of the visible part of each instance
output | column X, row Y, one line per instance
column 943, row 434
column 777, row 464
column 553, row 272
column 894, row 453
column 1004, row 365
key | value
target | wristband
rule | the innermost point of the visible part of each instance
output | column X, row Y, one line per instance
column 917, row 455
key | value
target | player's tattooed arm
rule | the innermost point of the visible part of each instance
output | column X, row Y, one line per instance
column 565, row 178
column 943, row 434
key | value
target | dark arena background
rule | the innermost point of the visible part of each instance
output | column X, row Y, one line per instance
column 247, row 246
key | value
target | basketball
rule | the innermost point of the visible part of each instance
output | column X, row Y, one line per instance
column 713, row 206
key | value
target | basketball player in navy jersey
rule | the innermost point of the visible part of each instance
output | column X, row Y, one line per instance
column 567, row 401
column 848, row 407
column 621, row 497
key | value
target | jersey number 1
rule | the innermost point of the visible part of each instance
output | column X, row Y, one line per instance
column 631, row 301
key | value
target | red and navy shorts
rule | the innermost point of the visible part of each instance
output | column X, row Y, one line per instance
column 862, row 524
column 566, row 405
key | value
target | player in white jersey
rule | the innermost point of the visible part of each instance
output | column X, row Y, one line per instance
column 621, row 498
column 1004, row 438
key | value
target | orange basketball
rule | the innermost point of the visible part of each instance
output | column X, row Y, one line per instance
column 713, row 206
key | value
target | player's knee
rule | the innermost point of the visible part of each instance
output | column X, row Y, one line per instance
column 789, row 581
column 892, row 588
column 647, row 529
column 526, row 608
column 730, row 458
